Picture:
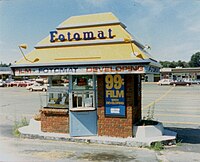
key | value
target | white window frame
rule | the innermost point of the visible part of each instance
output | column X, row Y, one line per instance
column 82, row 93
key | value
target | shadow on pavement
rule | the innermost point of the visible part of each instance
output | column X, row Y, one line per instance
column 187, row 135
column 6, row 131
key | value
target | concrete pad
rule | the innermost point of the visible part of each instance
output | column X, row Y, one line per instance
column 33, row 130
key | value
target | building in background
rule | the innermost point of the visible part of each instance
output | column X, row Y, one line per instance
column 180, row 73
column 5, row 72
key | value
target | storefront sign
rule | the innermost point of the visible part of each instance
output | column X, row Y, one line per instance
column 115, row 95
column 87, row 35
column 152, row 69
column 65, row 70
column 82, row 82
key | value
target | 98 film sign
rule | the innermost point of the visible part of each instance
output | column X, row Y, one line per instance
column 115, row 95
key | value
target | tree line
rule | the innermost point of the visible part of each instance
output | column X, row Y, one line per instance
column 5, row 65
column 194, row 62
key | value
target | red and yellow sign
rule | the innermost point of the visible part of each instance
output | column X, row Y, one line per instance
column 64, row 70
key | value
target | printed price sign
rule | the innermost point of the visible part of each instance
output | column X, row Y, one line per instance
column 115, row 95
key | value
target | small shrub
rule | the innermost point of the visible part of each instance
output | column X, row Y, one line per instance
column 150, row 112
column 179, row 142
column 157, row 146
column 17, row 125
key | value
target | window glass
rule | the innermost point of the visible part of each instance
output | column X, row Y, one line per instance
column 83, row 98
column 60, row 81
column 82, row 82
column 83, row 91
column 58, row 97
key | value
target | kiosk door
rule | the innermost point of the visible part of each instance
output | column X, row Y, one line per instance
column 83, row 114
column 83, row 123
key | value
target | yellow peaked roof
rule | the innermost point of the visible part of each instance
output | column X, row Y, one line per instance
column 66, row 46
column 89, row 19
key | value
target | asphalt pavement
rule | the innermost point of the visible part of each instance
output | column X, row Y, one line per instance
column 177, row 107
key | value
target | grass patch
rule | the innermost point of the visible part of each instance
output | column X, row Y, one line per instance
column 17, row 125
column 157, row 146
column 179, row 142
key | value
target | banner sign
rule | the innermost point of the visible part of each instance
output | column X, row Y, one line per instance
column 65, row 70
column 152, row 70
column 115, row 96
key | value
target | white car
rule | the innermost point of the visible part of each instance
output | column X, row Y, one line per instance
column 2, row 83
column 37, row 87
column 164, row 82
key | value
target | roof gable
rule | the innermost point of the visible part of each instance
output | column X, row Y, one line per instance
column 96, row 37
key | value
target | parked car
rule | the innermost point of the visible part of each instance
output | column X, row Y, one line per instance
column 180, row 83
column 12, row 83
column 24, row 83
column 2, row 83
column 37, row 87
column 196, row 82
column 164, row 82
column 192, row 81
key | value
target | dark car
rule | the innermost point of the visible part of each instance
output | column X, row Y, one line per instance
column 192, row 81
column 180, row 83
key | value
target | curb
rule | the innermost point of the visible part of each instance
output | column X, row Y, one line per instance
column 33, row 131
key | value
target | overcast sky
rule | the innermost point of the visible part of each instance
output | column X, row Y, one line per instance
column 170, row 27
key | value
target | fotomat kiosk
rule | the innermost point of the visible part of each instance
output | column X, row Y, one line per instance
column 94, row 69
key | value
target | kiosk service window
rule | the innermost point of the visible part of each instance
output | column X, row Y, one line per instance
column 58, row 92
column 83, row 91
column 58, row 97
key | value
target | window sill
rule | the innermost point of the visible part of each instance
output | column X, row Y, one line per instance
column 82, row 109
column 47, row 110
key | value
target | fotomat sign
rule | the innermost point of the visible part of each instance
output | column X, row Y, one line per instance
column 86, row 35
column 65, row 70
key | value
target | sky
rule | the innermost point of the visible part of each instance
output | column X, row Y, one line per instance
column 170, row 27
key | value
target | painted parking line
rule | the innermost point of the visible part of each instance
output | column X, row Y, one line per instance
column 158, row 99
column 187, row 123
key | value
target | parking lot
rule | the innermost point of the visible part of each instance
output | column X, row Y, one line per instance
column 174, row 106
column 177, row 107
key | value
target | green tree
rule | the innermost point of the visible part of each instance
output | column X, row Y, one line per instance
column 174, row 64
column 165, row 63
column 4, row 65
column 182, row 64
column 195, row 60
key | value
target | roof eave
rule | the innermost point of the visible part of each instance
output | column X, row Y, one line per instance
column 109, row 62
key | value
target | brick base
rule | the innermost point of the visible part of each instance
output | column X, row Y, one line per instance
column 115, row 126
column 55, row 120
